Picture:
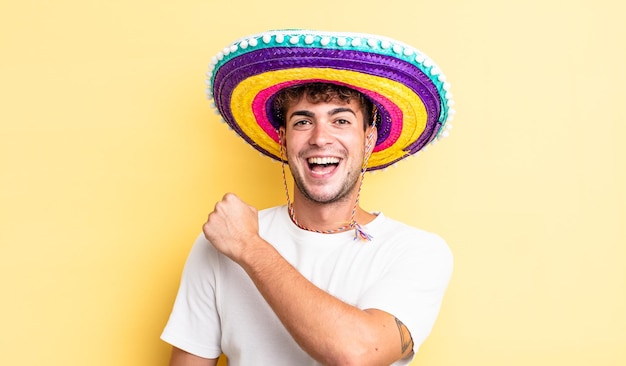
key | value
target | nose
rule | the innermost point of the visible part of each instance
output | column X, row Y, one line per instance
column 320, row 135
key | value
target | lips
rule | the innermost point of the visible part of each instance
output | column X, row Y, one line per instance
column 322, row 165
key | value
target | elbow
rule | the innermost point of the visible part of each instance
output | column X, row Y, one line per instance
column 344, row 360
column 358, row 356
column 357, row 360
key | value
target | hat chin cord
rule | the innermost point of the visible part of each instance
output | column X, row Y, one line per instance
column 359, row 231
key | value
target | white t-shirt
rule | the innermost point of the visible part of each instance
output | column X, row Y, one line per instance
column 402, row 270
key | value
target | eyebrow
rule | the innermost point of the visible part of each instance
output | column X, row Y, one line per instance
column 302, row 113
column 334, row 111
column 341, row 109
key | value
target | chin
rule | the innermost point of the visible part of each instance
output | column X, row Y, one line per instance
column 327, row 197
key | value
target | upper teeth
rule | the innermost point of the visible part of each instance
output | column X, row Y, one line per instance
column 324, row 160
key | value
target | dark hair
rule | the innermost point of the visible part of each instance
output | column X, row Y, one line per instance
column 320, row 93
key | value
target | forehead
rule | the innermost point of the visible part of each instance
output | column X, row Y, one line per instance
column 320, row 106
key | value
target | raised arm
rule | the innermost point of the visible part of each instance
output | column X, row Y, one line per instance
column 329, row 330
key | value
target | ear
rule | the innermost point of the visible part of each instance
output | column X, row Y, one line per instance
column 282, row 136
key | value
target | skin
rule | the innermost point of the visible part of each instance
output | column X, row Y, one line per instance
column 325, row 201
column 182, row 358
column 332, row 332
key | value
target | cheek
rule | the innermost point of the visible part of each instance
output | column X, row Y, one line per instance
column 295, row 140
column 355, row 144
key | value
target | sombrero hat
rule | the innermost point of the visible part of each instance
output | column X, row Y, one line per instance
column 409, row 90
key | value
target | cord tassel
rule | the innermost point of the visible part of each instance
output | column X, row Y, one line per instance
column 359, row 233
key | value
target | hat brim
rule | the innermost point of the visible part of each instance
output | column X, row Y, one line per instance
column 410, row 95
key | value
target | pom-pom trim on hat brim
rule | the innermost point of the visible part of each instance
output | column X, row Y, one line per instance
column 411, row 101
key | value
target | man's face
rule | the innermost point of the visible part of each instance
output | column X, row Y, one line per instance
column 325, row 145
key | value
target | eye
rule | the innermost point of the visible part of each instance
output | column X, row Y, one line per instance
column 342, row 123
column 301, row 123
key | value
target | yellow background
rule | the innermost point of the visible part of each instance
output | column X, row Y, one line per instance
column 110, row 159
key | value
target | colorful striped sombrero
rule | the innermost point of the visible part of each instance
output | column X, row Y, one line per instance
column 409, row 90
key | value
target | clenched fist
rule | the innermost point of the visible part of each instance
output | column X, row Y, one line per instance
column 232, row 227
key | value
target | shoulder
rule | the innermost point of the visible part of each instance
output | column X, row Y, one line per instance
column 412, row 242
column 397, row 230
column 272, row 212
column 202, row 255
column 273, row 217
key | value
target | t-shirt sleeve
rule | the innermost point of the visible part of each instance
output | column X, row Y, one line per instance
column 194, row 324
column 412, row 287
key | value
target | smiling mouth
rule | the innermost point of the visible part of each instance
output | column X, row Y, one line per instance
column 323, row 165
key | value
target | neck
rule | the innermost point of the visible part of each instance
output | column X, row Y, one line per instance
column 324, row 216
column 328, row 217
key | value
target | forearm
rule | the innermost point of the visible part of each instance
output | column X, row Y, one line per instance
column 183, row 358
column 330, row 330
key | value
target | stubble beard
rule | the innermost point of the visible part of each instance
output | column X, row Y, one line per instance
column 344, row 193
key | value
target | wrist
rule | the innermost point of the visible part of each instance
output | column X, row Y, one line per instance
column 258, row 254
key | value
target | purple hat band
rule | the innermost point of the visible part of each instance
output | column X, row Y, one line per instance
column 259, row 61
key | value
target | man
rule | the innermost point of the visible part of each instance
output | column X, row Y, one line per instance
column 292, row 285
